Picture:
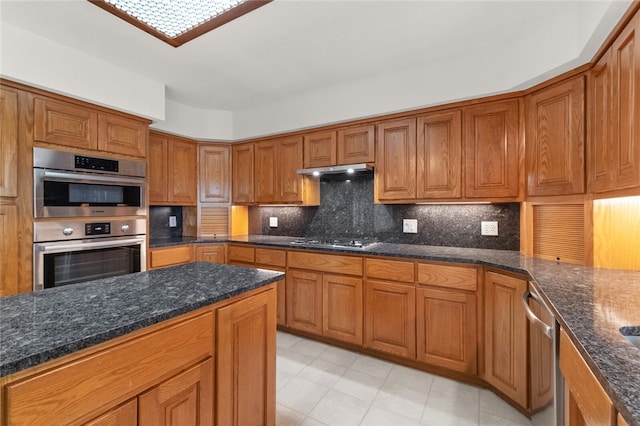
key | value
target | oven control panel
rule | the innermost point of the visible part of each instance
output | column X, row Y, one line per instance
column 103, row 228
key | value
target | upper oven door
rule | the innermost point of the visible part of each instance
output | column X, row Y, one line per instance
column 76, row 194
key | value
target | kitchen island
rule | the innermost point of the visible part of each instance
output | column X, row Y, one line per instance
column 591, row 304
column 149, row 342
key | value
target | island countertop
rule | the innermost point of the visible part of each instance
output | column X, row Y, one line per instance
column 44, row 325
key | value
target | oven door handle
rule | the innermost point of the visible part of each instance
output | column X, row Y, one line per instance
column 92, row 178
column 92, row 245
column 543, row 326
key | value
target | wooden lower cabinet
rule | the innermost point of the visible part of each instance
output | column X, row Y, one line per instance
column 170, row 256
column 9, row 257
column 505, row 336
column 215, row 253
column 446, row 329
column 124, row 415
column 246, row 355
column 390, row 318
column 186, row 399
column 342, row 308
column 586, row 402
column 304, row 301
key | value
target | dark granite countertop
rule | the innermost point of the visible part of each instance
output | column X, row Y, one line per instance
column 176, row 241
column 43, row 325
column 591, row 303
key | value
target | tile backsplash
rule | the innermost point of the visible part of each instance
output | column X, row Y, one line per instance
column 347, row 209
column 159, row 221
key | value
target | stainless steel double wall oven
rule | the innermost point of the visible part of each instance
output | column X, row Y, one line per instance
column 90, row 217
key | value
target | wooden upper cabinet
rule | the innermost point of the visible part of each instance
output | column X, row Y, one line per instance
column 75, row 126
column 157, row 169
column 320, row 149
column 600, row 153
column 65, row 124
column 172, row 172
column 215, row 174
column 8, row 142
column 242, row 173
column 395, row 172
column 439, row 159
column 290, row 183
column 357, row 144
column 266, row 171
column 625, row 152
column 491, row 150
column 182, row 172
column 555, row 133
column 122, row 135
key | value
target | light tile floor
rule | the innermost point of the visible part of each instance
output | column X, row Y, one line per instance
column 318, row 384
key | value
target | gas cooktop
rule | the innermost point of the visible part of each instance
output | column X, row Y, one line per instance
column 357, row 243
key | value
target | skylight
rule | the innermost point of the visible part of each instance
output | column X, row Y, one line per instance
column 178, row 21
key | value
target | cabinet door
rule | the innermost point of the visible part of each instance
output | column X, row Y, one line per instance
column 491, row 150
column 555, row 139
column 342, row 308
column 304, row 301
column 289, row 161
column 357, row 144
column 186, row 399
column 65, row 124
column 390, row 318
column 8, row 254
column 396, row 160
column 266, row 172
column 242, row 173
column 8, row 143
column 157, row 170
column 626, row 128
column 541, row 360
column 170, row 256
column 124, row 415
column 214, row 253
column 439, row 159
column 245, row 369
column 506, row 336
column 446, row 329
column 182, row 173
column 215, row 174
column 320, row 149
column 122, row 135
column 601, row 145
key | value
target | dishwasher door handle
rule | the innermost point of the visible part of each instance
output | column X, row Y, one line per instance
column 543, row 326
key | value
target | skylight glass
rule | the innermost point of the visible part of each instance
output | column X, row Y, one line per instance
column 174, row 17
column 178, row 21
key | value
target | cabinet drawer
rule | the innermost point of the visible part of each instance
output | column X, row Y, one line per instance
column 448, row 276
column 74, row 392
column 392, row 270
column 242, row 254
column 171, row 256
column 346, row 265
column 594, row 404
column 271, row 257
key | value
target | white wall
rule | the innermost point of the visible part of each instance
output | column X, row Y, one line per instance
column 37, row 61
column 204, row 124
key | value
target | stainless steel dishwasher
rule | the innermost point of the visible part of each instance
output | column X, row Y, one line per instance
column 547, row 384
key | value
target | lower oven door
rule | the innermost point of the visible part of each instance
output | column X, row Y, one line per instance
column 69, row 262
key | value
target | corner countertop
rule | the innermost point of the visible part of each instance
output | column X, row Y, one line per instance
column 590, row 303
column 44, row 325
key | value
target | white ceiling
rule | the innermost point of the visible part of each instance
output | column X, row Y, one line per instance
column 290, row 48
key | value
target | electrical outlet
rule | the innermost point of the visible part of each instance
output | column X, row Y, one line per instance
column 172, row 222
column 489, row 228
column 273, row 222
column 410, row 226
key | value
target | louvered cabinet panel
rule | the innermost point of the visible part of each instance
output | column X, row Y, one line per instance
column 558, row 232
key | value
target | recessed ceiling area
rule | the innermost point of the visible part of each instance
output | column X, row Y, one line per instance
column 300, row 63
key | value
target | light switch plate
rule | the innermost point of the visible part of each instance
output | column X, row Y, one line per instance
column 410, row 226
column 273, row 222
column 172, row 222
column 489, row 228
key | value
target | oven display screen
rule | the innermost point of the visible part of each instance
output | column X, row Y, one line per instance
column 95, row 194
column 68, row 194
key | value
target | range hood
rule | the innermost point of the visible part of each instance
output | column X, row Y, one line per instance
column 348, row 168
